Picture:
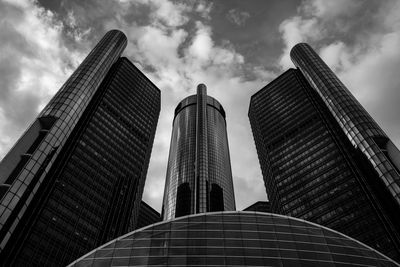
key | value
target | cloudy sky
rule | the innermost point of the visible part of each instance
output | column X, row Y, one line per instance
column 235, row 47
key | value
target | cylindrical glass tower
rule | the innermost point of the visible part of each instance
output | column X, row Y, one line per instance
column 199, row 176
column 362, row 131
column 23, row 169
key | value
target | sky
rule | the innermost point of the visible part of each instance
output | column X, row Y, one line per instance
column 234, row 47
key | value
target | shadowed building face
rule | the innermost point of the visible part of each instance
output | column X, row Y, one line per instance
column 199, row 177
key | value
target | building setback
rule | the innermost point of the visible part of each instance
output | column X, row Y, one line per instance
column 260, row 206
column 322, row 156
column 75, row 179
column 147, row 216
column 199, row 176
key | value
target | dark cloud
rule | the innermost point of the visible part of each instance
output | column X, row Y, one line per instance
column 238, row 17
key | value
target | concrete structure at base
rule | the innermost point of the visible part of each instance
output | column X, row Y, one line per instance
column 234, row 239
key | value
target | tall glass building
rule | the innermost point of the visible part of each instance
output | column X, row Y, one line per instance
column 234, row 239
column 322, row 156
column 74, row 180
column 199, row 176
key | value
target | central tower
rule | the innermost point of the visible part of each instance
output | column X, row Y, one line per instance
column 199, row 176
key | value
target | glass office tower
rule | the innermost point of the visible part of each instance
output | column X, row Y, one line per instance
column 75, row 178
column 311, row 168
column 362, row 131
column 199, row 176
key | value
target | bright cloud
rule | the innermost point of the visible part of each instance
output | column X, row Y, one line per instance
column 33, row 65
column 159, row 48
column 200, row 48
column 296, row 30
column 336, row 55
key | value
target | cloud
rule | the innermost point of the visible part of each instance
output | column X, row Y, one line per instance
column 296, row 30
column 359, row 40
column 238, row 17
column 172, row 14
column 336, row 55
column 200, row 48
column 158, row 47
column 204, row 9
column 331, row 10
column 72, row 29
column 33, row 64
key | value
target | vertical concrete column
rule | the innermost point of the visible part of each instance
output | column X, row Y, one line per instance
column 201, row 168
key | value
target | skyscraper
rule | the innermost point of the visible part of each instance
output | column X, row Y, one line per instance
column 199, row 176
column 75, row 178
column 322, row 156
column 222, row 238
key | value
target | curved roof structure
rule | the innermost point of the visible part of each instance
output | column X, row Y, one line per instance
column 234, row 239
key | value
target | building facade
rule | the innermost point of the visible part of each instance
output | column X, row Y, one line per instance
column 234, row 239
column 260, row 206
column 147, row 216
column 199, row 176
column 75, row 178
column 312, row 165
